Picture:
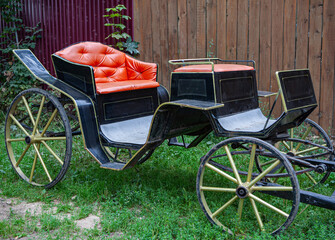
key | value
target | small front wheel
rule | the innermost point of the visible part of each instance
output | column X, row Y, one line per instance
column 231, row 190
column 38, row 137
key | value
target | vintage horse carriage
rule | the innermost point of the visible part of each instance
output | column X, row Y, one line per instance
column 115, row 103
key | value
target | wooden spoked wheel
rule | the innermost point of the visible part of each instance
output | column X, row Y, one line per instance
column 307, row 141
column 38, row 138
column 234, row 194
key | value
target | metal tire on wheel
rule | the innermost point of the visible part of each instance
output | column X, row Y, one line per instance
column 228, row 182
column 38, row 137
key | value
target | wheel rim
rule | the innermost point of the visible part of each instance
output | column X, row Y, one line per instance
column 228, row 182
column 38, row 138
column 308, row 131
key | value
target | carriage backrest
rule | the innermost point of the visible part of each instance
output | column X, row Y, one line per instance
column 237, row 91
column 296, row 88
column 113, row 70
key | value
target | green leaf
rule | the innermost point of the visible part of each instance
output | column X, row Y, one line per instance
column 111, row 9
column 126, row 17
column 119, row 45
column 119, row 25
column 120, row 7
column 131, row 46
column 125, row 35
column 114, row 15
column 117, row 36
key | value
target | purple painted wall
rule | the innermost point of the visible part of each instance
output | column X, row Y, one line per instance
column 65, row 22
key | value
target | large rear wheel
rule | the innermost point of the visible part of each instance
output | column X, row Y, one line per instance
column 234, row 194
column 38, row 138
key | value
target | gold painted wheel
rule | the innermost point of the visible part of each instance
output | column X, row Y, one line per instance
column 311, row 133
column 38, row 138
column 232, row 191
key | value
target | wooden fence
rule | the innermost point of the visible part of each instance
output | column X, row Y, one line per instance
column 277, row 34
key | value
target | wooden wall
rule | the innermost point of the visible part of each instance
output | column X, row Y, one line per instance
column 277, row 34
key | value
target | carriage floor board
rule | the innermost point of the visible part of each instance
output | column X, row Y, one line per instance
column 133, row 131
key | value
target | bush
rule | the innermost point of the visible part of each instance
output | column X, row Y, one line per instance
column 14, row 77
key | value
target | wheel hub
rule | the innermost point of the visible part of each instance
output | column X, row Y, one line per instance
column 242, row 192
column 291, row 153
column 27, row 139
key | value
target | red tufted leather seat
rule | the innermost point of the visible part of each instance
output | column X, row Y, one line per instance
column 114, row 71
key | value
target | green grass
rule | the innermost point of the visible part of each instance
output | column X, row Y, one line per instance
column 156, row 200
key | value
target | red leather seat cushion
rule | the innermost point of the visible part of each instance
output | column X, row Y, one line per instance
column 112, row 66
column 108, row 87
column 217, row 68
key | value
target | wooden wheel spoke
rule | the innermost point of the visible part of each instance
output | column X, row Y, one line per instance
column 303, row 137
column 240, row 207
column 215, row 169
column 232, row 163
column 291, row 135
column 49, row 138
column 28, row 110
column 251, row 163
column 15, row 140
column 258, row 217
column 22, row 155
column 217, row 189
column 42, row 162
column 39, row 114
column 286, row 145
column 18, row 124
column 52, row 152
column 307, row 150
column 49, row 122
column 268, row 162
column 268, row 205
column 34, row 165
column 271, row 188
column 227, row 204
column 310, row 177
column 262, row 174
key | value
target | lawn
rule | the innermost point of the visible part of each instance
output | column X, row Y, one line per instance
column 156, row 200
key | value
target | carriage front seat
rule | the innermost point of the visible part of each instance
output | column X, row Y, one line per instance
column 114, row 71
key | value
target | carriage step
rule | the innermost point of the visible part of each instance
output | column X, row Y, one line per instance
column 113, row 165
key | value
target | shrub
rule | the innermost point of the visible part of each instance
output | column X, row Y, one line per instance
column 14, row 77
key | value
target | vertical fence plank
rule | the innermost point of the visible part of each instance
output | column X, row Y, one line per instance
column 146, row 39
column 182, row 29
column 221, row 28
column 231, row 29
column 211, row 28
column 172, row 29
column 201, row 28
column 242, row 30
column 163, row 33
column 277, row 46
column 191, row 28
column 302, row 34
column 254, row 14
column 328, row 63
column 289, row 34
column 156, row 48
column 314, row 51
column 265, row 43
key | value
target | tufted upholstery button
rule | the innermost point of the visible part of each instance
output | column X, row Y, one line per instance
column 114, row 71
